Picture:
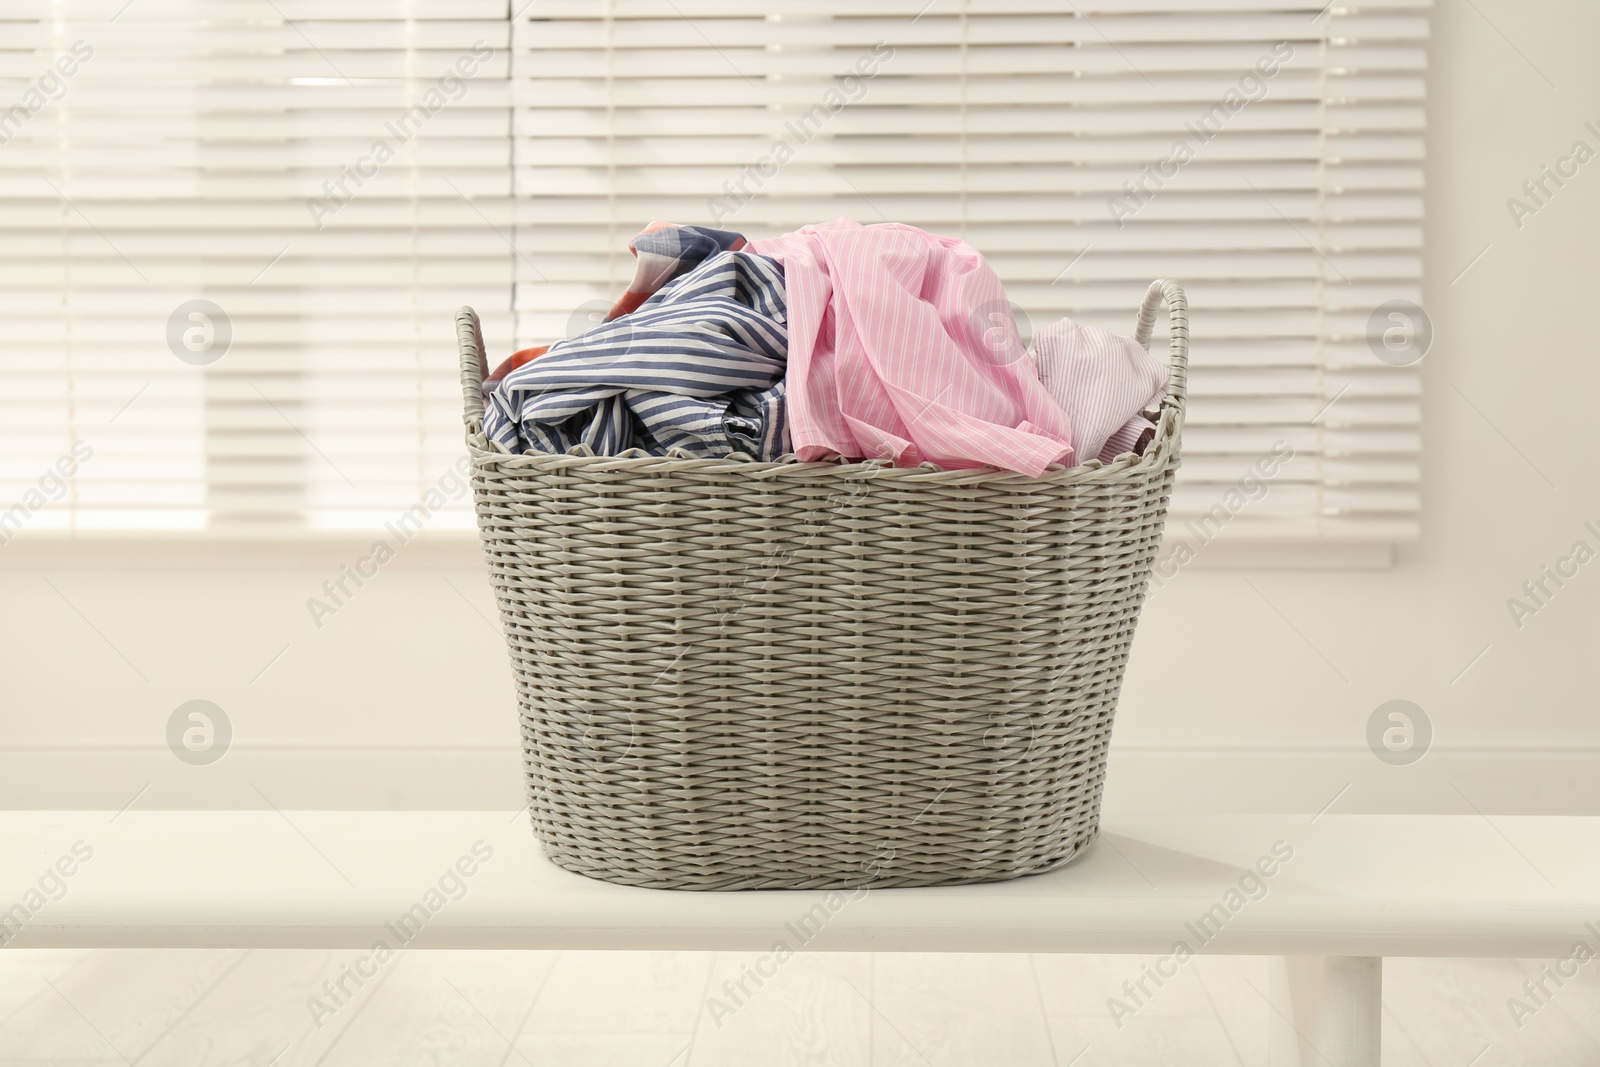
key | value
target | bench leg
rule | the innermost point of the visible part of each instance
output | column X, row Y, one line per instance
column 1325, row 1011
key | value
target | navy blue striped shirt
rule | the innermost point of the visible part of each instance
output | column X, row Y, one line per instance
column 698, row 367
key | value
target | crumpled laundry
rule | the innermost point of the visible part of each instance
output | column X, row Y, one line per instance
column 697, row 367
column 836, row 340
column 662, row 251
column 902, row 346
column 665, row 250
column 1103, row 381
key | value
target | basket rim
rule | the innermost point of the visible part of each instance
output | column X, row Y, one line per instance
column 1161, row 453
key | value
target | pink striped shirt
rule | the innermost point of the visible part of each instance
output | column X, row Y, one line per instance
column 902, row 346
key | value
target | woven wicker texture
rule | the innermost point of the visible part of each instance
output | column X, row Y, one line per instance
column 817, row 675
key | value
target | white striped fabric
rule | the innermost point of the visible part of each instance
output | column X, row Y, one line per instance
column 1103, row 380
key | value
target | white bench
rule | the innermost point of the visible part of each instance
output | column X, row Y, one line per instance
column 1331, row 896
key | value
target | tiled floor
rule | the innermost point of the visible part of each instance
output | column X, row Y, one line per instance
column 657, row 1009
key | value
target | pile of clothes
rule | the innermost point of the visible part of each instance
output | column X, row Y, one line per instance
column 836, row 340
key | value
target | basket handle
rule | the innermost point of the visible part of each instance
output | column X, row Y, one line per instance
column 1165, row 290
column 474, row 368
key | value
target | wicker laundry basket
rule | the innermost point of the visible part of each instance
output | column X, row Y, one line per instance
column 737, row 674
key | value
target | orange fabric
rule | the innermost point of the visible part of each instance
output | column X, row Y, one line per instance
column 515, row 360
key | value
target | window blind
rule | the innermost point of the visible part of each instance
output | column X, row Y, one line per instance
column 228, row 156
column 235, row 238
column 1019, row 125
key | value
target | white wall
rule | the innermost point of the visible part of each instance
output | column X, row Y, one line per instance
column 1248, row 689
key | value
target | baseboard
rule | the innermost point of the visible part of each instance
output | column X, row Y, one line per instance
column 330, row 776
column 1499, row 780
column 1142, row 778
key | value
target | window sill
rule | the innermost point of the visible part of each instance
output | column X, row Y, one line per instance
column 441, row 549
column 459, row 549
